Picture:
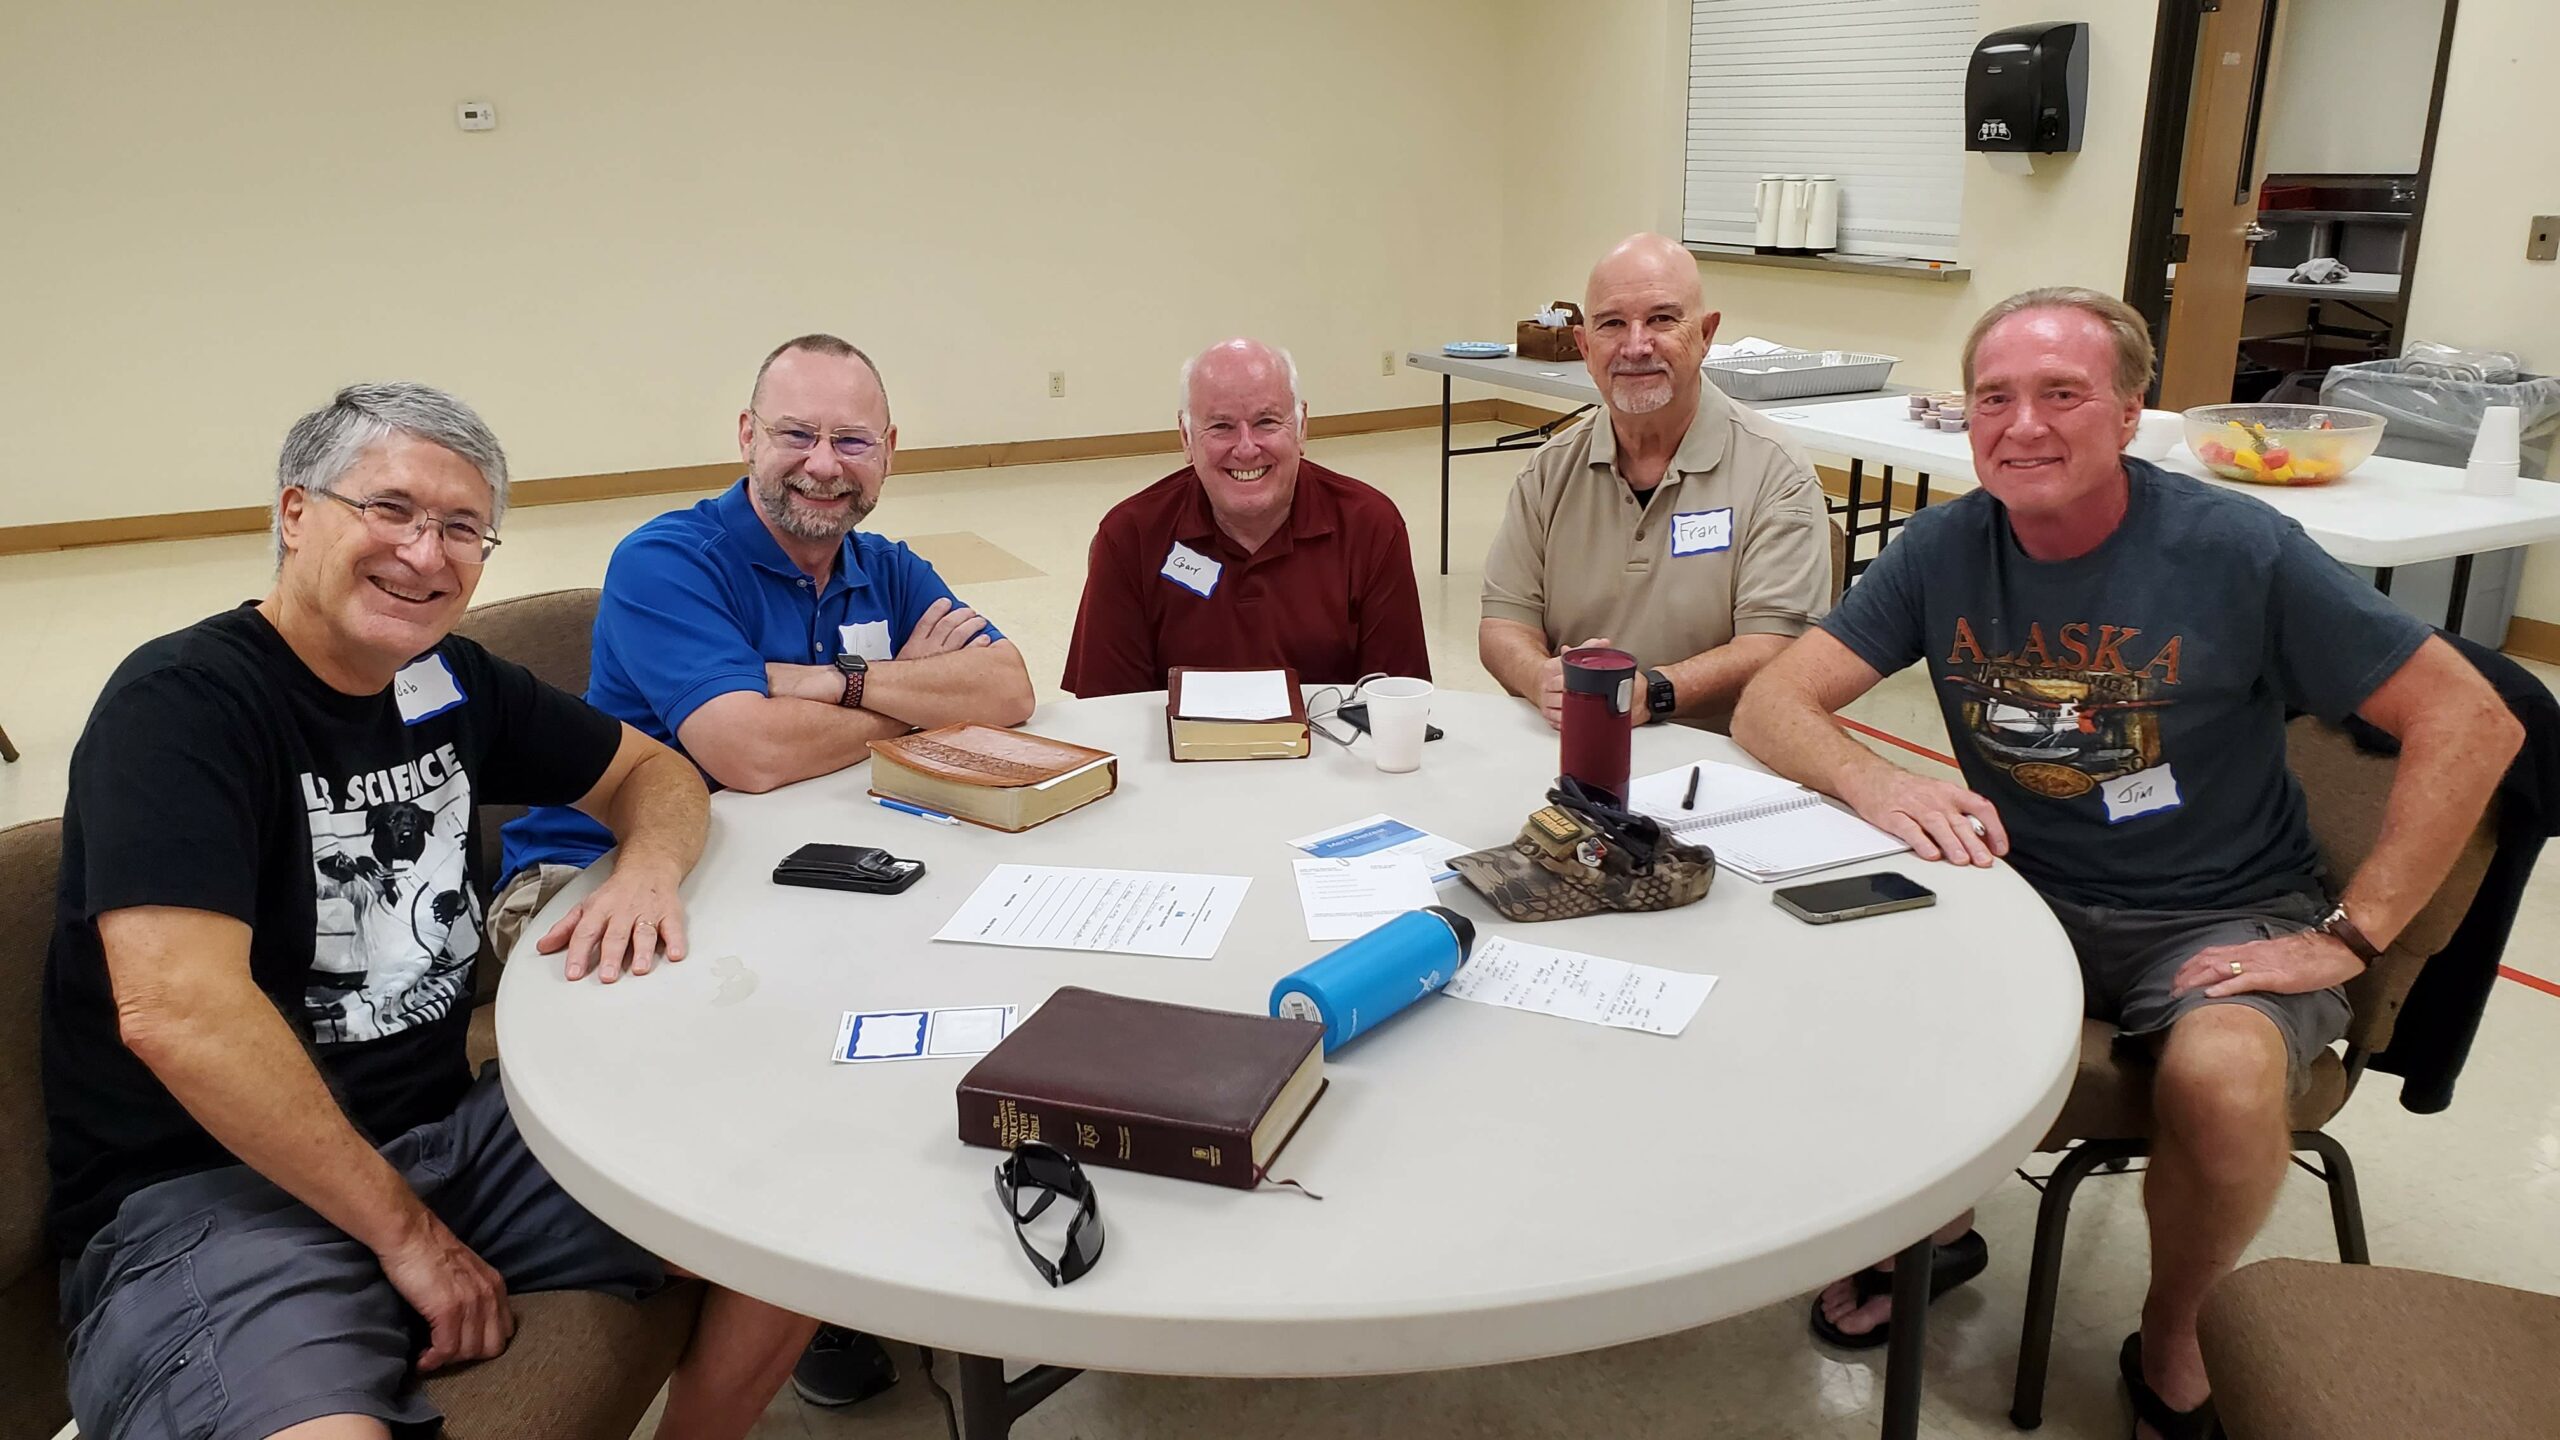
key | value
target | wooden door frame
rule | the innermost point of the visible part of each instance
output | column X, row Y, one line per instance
column 2164, row 143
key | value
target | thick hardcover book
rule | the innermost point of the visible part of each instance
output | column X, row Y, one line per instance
column 1002, row 779
column 1269, row 737
column 1148, row 1085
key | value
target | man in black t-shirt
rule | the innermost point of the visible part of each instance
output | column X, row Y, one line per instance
column 277, row 1186
column 2115, row 648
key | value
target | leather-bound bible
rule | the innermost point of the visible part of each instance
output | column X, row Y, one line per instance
column 1002, row 779
column 1234, row 714
column 1148, row 1085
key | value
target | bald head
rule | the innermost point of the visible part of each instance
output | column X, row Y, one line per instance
column 1239, row 362
column 1645, row 259
column 1645, row 327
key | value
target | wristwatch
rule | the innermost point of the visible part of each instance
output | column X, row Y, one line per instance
column 2336, row 923
column 1660, row 699
column 856, row 670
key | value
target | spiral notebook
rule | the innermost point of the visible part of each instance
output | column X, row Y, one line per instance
column 1764, row 826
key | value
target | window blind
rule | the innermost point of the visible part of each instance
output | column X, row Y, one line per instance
column 1868, row 91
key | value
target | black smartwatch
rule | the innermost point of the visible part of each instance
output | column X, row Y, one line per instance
column 1660, row 698
column 856, row 670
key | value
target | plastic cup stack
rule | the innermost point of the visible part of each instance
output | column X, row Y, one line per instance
column 2494, row 453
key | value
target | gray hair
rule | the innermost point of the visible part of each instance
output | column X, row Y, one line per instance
column 2128, row 334
column 324, row 445
column 1297, row 400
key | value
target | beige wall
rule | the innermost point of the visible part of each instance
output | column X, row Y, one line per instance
column 1606, row 160
column 2350, row 96
column 217, row 213
column 2497, row 165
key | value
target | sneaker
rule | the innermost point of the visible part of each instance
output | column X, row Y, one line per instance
column 842, row 1367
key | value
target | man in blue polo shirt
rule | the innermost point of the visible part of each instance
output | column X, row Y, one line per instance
column 765, row 636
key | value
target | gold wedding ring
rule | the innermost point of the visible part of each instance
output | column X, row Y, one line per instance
column 2235, row 967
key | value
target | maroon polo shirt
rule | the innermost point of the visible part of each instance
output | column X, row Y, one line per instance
column 1331, row 595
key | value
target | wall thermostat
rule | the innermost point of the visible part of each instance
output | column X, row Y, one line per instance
column 476, row 115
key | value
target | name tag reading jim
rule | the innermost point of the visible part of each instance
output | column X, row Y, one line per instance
column 1699, row 532
column 425, row 689
column 1191, row 570
column 2144, row 792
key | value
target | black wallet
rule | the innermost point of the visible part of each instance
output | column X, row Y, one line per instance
column 865, row 869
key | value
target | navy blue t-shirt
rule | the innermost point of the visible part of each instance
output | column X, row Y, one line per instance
column 2125, row 710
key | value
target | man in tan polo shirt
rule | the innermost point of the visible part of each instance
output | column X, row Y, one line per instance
column 1676, row 525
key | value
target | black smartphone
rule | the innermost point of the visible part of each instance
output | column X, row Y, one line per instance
column 1854, row 898
column 1356, row 715
column 863, row 869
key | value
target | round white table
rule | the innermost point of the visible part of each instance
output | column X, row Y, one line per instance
column 1498, row 1185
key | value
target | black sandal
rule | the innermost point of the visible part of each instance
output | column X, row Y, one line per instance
column 2151, row 1410
column 1953, row 1263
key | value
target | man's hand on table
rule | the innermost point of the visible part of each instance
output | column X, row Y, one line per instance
column 1937, row 819
column 630, row 919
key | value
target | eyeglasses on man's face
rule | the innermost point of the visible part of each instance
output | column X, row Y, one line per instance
column 396, row 521
column 792, row 435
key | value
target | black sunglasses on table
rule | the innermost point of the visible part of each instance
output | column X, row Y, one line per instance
column 1052, row 1172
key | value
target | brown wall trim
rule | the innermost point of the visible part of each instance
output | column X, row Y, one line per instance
column 2533, row 639
column 565, row 489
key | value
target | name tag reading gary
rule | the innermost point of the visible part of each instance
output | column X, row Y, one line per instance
column 1191, row 570
column 425, row 689
column 1699, row 532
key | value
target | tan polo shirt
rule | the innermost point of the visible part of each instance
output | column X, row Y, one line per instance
column 1735, row 541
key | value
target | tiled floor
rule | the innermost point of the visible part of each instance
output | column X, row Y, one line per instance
column 2474, row 1191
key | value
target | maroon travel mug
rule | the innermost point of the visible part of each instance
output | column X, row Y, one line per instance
column 1599, row 691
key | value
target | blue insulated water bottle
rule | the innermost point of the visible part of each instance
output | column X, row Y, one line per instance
column 1360, row 984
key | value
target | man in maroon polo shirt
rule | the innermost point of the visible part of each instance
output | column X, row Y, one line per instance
column 1252, row 556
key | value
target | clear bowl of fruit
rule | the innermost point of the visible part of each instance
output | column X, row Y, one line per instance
column 2281, row 444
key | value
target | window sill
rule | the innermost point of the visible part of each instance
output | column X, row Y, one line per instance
column 1843, row 264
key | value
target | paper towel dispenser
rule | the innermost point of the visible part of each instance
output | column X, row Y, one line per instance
column 2027, row 88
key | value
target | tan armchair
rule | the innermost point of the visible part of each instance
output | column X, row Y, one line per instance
column 2107, row 1120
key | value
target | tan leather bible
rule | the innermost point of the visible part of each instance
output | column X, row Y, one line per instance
column 1002, row 779
column 1177, row 1090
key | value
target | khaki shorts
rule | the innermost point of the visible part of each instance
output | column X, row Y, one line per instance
column 517, row 904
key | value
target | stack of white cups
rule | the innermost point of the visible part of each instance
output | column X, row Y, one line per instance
column 2495, row 453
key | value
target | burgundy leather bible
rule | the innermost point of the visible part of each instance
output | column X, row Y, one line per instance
column 1148, row 1085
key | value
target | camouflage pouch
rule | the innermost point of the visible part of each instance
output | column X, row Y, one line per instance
column 1580, row 856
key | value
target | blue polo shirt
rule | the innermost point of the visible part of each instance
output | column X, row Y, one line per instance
column 695, row 602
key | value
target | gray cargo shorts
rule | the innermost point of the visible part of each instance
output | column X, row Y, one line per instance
column 217, row 1307
column 2129, row 958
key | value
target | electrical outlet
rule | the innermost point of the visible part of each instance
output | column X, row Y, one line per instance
column 2544, row 241
column 1386, row 362
column 476, row 115
column 1057, row 384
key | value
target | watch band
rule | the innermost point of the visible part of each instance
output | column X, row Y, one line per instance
column 2338, row 924
column 1661, row 698
column 853, row 681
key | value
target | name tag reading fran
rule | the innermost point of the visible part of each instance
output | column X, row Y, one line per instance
column 1191, row 570
column 2143, row 792
column 1699, row 532
column 425, row 689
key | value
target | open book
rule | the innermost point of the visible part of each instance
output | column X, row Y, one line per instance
column 1767, row 827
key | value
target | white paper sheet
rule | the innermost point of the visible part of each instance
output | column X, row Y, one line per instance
column 1347, row 897
column 1234, row 695
column 865, row 1036
column 1385, row 835
column 1593, row 988
column 1126, row 912
column 1720, row 787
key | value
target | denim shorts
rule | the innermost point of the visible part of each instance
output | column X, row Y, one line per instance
column 216, row 1306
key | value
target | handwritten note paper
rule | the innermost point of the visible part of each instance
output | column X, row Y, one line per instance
column 1592, row 988
column 1126, row 912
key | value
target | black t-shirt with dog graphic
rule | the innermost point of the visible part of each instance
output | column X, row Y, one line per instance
column 218, row 773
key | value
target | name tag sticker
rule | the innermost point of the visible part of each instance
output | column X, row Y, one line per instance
column 1700, row 532
column 866, row 638
column 2145, row 792
column 1191, row 570
column 425, row 689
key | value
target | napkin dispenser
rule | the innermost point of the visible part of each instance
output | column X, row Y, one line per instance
column 2026, row 89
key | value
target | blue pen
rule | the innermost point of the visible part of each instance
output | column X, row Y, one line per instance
column 918, row 811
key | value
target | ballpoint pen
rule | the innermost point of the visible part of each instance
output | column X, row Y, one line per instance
column 918, row 811
column 1690, row 800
